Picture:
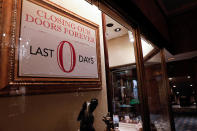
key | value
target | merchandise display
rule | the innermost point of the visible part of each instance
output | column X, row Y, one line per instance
column 125, row 100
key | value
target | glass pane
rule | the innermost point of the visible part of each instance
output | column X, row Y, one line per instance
column 156, row 90
column 124, row 83
column 182, row 69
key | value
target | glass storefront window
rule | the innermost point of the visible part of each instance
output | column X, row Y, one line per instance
column 124, row 84
column 156, row 90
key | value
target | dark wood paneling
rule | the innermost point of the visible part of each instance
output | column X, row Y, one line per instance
column 152, row 87
column 134, row 16
column 183, row 29
column 153, row 13
column 167, row 88
column 1, row 4
column 5, row 40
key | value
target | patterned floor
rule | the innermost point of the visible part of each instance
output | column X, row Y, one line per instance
column 185, row 122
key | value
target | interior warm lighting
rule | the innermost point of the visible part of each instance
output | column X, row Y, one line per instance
column 117, row 29
column 172, row 58
column 131, row 38
column 146, row 47
column 94, row 6
column 174, row 86
column 188, row 77
column 170, row 78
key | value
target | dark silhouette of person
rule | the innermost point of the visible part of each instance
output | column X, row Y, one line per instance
column 86, row 117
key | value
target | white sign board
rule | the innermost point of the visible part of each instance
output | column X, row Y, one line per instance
column 52, row 45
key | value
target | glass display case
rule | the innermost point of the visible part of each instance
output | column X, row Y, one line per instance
column 125, row 97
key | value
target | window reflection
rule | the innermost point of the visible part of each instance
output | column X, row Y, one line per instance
column 124, row 99
column 156, row 90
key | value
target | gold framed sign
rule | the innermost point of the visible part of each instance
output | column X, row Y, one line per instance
column 54, row 46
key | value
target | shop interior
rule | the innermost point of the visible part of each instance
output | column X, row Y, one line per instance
column 181, row 74
column 124, row 83
column 125, row 100
column 58, row 111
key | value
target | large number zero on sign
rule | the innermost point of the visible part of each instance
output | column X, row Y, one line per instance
column 61, row 56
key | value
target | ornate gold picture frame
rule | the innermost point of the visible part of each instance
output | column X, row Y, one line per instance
column 51, row 49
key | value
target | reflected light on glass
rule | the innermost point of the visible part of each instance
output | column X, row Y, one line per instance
column 172, row 58
column 131, row 38
column 174, row 86
column 146, row 47
column 170, row 78
column 135, row 83
column 191, row 85
column 188, row 77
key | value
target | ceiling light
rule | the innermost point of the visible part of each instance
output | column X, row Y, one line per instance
column 117, row 29
column 172, row 58
column 174, row 86
column 170, row 78
column 109, row 24
column 188, row 77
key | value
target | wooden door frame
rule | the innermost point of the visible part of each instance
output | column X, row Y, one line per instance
column 166, row 84
column 141, row 81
